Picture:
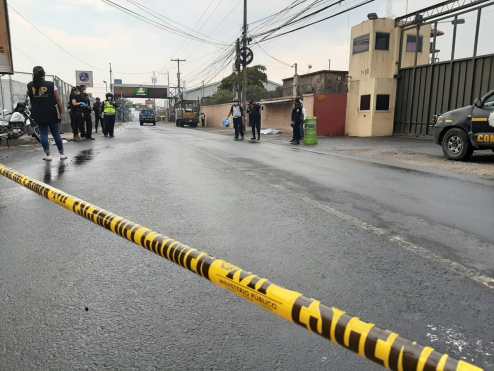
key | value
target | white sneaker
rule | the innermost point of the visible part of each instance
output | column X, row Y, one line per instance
column 63, row 157
column 47, row 158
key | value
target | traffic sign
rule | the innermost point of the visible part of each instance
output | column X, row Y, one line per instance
column 246, row 56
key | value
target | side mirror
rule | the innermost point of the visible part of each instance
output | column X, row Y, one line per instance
column 477, row 103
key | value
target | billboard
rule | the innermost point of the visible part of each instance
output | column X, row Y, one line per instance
column 6, row 65
column 84, row 78
column 141, row 91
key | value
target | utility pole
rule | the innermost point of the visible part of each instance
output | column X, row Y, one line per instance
column 237, row 70
column 202, row 93
column 244, row 46
column 178, row 60
column 295, row 80
column 154, row 79
column 111, row 80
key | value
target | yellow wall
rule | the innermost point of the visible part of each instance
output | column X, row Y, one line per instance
column 373, row 72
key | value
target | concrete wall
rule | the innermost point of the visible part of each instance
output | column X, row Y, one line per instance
column 279, row 115
column 215, row 114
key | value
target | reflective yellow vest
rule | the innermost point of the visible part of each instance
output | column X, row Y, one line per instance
column 109, row 109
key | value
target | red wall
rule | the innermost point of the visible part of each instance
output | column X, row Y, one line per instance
column 330, row 110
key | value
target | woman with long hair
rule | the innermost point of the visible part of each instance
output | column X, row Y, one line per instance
column 45, row 99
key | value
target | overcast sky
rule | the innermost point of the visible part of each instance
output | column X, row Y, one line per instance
column 95, row 34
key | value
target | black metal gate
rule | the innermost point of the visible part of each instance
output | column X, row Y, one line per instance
column 431, row 89
column 428, row 90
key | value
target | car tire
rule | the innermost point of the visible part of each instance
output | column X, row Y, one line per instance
column 154, row 123
column 456, row 145
column 142, row 124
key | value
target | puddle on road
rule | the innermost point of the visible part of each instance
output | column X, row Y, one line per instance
column 50, row 175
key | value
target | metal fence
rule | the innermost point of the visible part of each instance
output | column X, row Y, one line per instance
column 13, row 90
column 459, row 70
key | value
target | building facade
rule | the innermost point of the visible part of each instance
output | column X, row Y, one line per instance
column 319, row 82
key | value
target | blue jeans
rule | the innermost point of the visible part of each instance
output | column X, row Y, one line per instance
column 43, row 129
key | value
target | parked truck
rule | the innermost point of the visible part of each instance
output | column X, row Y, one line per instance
column 187, row 113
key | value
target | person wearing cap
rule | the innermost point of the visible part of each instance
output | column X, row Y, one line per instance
column 237, row 113
column 109, row 114
column 45, row 100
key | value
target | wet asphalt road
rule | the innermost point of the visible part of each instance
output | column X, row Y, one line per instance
column 410, row 251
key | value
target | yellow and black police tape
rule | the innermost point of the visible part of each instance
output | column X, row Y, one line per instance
column 384, row 347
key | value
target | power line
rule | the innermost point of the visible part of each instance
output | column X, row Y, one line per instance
column 299, row 19
column 160, row 24
column 318, row 21
column 273, row 57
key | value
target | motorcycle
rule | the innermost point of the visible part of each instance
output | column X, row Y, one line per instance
column 20, row 123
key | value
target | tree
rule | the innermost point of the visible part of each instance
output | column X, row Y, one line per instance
column 256, row 78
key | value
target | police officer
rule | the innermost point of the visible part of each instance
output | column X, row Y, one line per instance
column 97, row 109
column 109, row 113
column 255, row 120
column 297, row 121
column 45, row 100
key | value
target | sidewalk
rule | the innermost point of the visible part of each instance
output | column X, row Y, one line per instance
column 410, row 153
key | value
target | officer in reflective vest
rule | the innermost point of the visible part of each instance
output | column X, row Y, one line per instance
column 109, row 114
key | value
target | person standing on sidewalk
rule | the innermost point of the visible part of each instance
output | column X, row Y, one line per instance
column 75, row 112
column 86, row 113
column 45, row 100
column 97, row 114
column 255, row 119
column 297, row 121
column 237, row 113
column 109, row 114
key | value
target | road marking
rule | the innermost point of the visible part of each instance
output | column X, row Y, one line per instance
column 421, row 251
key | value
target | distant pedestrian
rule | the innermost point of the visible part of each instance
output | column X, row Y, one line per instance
column 237, row 113
column 203, row 119
column 255, row 119
column 86, row 113
column 297, row 121
column 45, row 100
column 97, row 109
column 75, row 112
column 109, row 114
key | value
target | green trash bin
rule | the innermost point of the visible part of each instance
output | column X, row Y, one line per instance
column 310, row 133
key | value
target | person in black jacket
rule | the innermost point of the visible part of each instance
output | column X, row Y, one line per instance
column 297, row 121
column 76, row 113
column 97, row 114
column 255, row 119
column 86, row 113
column 45, row 100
